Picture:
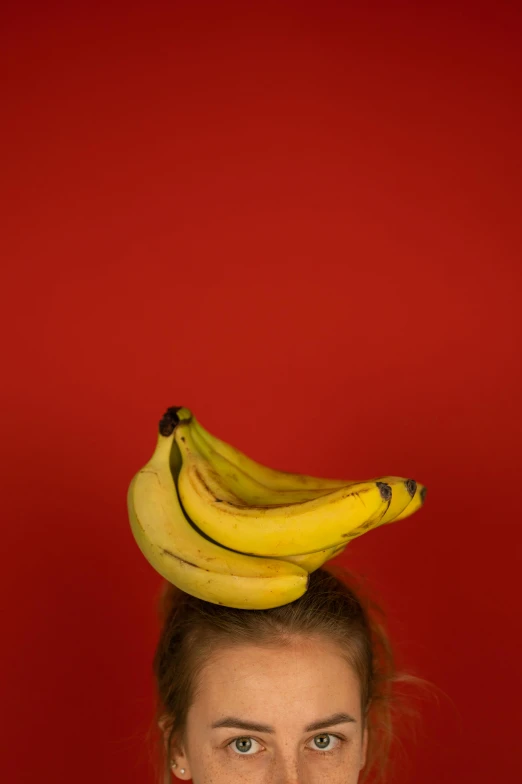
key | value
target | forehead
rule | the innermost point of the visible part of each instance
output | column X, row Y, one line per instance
column 303, row 677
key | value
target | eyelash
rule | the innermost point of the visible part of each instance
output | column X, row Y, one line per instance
column 324, row 752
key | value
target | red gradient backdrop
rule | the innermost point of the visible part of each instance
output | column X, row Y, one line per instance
column 302, row 220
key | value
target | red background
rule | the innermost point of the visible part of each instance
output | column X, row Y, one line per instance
column 302, row 220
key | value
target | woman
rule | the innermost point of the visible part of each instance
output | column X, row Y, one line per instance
column 297, row 694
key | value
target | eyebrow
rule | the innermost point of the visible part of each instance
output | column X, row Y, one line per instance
column 235, row 723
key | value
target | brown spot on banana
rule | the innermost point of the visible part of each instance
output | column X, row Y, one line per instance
column 189, row 563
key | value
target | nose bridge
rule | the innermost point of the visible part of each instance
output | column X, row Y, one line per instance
column 291, row 766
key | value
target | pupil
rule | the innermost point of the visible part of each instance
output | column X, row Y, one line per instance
column 325, row 740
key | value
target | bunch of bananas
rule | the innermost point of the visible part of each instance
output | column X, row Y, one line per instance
column 227, row 529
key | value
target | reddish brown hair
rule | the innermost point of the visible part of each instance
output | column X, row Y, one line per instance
column 332, row 606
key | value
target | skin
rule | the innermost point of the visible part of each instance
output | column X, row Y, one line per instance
column 287, row 688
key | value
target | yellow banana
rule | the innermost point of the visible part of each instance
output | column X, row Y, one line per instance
column 265, row 486
column 212, row 570
column 416, row 502
column 289, row 529
column 251, row 492
column 263, row 475
column 403, row 491
column 312, row 561
column 186, row 558
column 246, row 487
column 255, row 483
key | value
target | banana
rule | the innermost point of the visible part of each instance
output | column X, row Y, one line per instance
column 264, row 475
column 403, row 493
column 267, row 486
column 416, row 502
column 184, row 557
column 237, row 500
column 230, row 466
column 289, row 529
column 235, row 482
column 246, row 487
column 312, row 561
column 403, row 496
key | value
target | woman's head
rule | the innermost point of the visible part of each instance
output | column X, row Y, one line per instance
column 301, row 691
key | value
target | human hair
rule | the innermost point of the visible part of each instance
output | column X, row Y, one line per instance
column 333, row 607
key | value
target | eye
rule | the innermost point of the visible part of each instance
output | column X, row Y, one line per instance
column 242, row 746
column 323, row 742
